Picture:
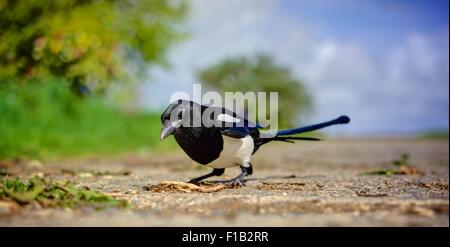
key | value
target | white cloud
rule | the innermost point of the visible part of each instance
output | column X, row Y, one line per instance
column 404, row 88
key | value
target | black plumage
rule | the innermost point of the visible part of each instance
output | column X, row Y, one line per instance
column 220, row 138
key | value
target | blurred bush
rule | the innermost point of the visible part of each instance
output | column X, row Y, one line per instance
column 261, row 74
column 86, row 41
column 45, row 120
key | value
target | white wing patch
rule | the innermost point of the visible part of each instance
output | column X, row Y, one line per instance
column 227, row 118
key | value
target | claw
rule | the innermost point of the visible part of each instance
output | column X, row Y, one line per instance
column 235, row 183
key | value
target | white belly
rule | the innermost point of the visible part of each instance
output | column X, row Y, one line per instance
column 236, row 152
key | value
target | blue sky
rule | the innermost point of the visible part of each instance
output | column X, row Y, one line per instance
column 377, row 23
column 384, row 63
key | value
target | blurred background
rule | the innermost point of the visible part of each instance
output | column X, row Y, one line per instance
column 91, row 77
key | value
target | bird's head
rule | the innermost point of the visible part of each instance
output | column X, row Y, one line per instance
column 178, row 115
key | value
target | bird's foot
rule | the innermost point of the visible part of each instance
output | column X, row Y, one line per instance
column 234, row 183
column 194, row 181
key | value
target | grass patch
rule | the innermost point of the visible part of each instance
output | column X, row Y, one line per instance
column 403, row 168
column 385, row 172
column 54, row 194
column 435, row 135
column 45, row 120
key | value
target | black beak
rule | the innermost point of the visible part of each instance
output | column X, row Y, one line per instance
column 166, row 130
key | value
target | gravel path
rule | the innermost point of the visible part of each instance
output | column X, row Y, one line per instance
column 302, row 184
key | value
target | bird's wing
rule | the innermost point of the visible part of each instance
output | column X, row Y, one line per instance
column 235, row 132
column 227, row 118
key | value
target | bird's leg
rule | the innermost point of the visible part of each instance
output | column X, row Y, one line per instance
column 246, row 170
column 215, row 172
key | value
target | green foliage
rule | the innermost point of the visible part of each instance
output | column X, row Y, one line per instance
column 385, row 172
column 85, row 40
column 45, row 120
column 403, row 167
column 260, row 74
column 54, row 194
column 435, row 135
column 402, row 161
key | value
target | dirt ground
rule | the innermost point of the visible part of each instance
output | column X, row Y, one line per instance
column 303, row 184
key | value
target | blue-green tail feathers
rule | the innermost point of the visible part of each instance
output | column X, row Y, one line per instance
column 283, row 135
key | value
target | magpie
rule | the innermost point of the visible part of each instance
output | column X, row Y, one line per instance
column 221, row 138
